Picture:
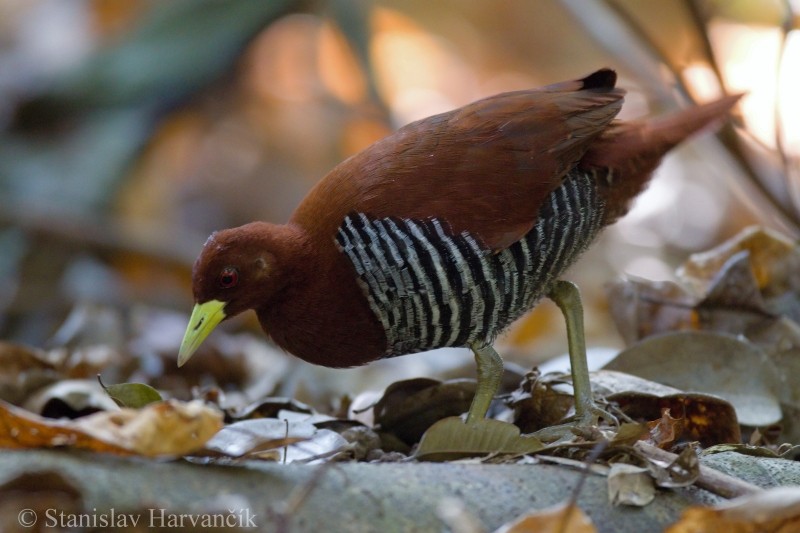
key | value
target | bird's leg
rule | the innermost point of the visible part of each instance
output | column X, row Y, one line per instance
column 568, row 298
column 490, row 371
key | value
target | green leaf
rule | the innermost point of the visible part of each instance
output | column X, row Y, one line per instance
column 133, row 395
column 452, row 438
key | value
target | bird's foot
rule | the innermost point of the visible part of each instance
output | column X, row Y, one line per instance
column 585, row 426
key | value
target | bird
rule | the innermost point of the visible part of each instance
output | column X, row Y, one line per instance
column 445, row 232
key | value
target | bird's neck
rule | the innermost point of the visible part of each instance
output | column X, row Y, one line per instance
column 321, row 315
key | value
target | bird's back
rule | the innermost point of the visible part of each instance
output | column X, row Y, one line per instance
column 485, row 168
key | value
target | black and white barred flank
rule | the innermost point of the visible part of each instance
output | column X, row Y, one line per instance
column 432, row 289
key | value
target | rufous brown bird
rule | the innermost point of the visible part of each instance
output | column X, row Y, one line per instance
column 445, row 232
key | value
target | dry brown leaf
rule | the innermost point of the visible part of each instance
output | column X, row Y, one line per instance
column 266, row 408
column 630, row 485
column 735, row 286
column 680, row 472
column 541, row 401
column 409, row 407
column 642, row 308
column 22, row 429
column 665, row 431
column 724, row 365
column 708, row 419
column 257, row 435
column 561, row 518
column 775, row 510
column 629, row 433
column 22, row 371
column 739, row 287
column 278, row 440
column 170, row 428
column 770, row 254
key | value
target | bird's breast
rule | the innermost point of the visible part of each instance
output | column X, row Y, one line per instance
column 430, row 288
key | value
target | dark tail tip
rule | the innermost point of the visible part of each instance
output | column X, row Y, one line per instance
column 605, row 78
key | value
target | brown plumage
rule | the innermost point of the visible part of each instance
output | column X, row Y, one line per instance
column 486, row 173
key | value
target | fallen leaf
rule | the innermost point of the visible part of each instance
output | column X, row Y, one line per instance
column 133, row 395
column 681, row 472
column 780, row 339
column 452, row 438
column 735, row 286
column 665, row 431
column 630, row 485
column 773, row 258
column 738, row 287
column 409, row 407
column 541, row 401
column 170, row 428
column 561, row 518
column 712, row 363
column 266, row 408
column 22, row 429
column 325, row 444
column 22, row 371
column 257, row 435
column 278, row 440
column 744, row 449
column 705, row 418
column 72, row 398
column 606, row 382
column 628, row 434
column 775, row 510
column 642, row 308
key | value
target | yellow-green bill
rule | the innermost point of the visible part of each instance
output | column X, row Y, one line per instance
column 204, row 319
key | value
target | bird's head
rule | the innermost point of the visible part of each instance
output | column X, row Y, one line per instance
column 238, row 269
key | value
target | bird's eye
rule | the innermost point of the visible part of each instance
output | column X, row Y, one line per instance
column 228, row 278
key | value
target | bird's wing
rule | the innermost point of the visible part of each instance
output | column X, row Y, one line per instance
column 484, row 168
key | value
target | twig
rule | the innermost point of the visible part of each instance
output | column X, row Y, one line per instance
column 787, row 23
column 618, row 32
column 573, row 499
column 709, row 479
column 729, row 137
column 700, row 22
column 298, row 497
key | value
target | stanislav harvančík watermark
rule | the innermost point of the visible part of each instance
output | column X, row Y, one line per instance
column 161, row 518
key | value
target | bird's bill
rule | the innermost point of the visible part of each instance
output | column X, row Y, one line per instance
column 204, row 319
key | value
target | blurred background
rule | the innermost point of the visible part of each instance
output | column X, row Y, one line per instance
column 131, row 129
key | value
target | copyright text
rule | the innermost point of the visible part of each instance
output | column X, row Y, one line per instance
column 161, row 518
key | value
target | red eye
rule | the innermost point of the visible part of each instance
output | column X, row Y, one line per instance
column 228, row 278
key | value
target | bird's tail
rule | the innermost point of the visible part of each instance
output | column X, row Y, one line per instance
column 653, row 137
column 630, row 151
column 670, row 129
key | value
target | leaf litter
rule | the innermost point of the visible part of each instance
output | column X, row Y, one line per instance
column 712, row 356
